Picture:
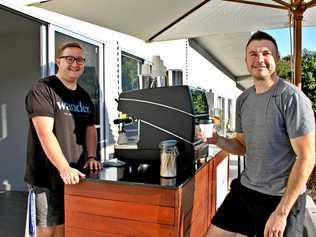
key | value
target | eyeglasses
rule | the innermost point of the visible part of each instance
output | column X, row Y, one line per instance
column 71, row 59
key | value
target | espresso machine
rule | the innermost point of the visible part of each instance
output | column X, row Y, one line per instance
column 164, row 113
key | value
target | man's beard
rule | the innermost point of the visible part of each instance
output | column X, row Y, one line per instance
column 261, row 78
column 264, row 77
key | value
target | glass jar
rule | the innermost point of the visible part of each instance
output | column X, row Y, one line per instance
column 168, row 155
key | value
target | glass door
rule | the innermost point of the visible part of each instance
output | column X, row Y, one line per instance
column 20, row 67
column 92, row 78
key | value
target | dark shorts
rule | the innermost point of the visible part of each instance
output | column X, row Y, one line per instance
column 246, row 211
column 49, row 207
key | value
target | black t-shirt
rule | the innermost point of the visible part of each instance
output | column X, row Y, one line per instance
column 72, row 111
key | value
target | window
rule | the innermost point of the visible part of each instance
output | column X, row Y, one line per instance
column 130, row 81
column 221, row 113
column 90, row 78
column 130, row 71
column 229, row 125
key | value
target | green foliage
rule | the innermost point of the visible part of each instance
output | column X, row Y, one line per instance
column 308, row 73
column 199, row 101
column 284, row 68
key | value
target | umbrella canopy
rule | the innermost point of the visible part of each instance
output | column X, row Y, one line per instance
column 218, row 29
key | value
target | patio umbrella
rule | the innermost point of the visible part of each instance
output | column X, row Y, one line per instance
column 296, row 9
column 215, row 28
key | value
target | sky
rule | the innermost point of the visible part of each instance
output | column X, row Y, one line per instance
column 282, row 37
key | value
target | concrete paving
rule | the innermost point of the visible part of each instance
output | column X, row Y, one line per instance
column 12, row 213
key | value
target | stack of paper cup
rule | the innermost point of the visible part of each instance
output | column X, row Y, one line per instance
column 156, row 66
column 156, row 60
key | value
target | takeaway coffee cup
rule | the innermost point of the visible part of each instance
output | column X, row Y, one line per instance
column 206, row 128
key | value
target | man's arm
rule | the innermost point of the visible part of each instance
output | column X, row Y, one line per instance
column 44, row 129
column 234, row 145
column 91, row 144
column 304, row 147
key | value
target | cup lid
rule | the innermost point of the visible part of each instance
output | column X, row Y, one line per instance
column 205, row 121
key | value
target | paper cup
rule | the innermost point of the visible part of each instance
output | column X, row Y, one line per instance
column 207, row 130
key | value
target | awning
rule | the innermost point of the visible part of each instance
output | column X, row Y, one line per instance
column 218, row 29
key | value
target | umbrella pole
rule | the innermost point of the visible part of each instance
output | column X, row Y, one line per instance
column 298, row 9
column 297, row 52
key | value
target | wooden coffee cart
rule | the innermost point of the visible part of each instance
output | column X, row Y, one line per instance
column 110, row 205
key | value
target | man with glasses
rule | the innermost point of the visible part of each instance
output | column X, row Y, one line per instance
column 62, row 138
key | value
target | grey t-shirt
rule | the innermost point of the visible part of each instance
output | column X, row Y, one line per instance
column 268, row 121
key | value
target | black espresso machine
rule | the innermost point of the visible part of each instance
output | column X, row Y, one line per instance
column 164, row 113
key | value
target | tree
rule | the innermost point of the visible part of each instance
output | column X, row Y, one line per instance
column 284, row 68
column 309, row 76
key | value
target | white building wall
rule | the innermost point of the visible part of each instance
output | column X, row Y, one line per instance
column 173, row 53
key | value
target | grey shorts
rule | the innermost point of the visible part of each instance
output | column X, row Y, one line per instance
column 49, row 207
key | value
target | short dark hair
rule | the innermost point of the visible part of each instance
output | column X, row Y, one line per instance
column 67, row 45
column 260, row 35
